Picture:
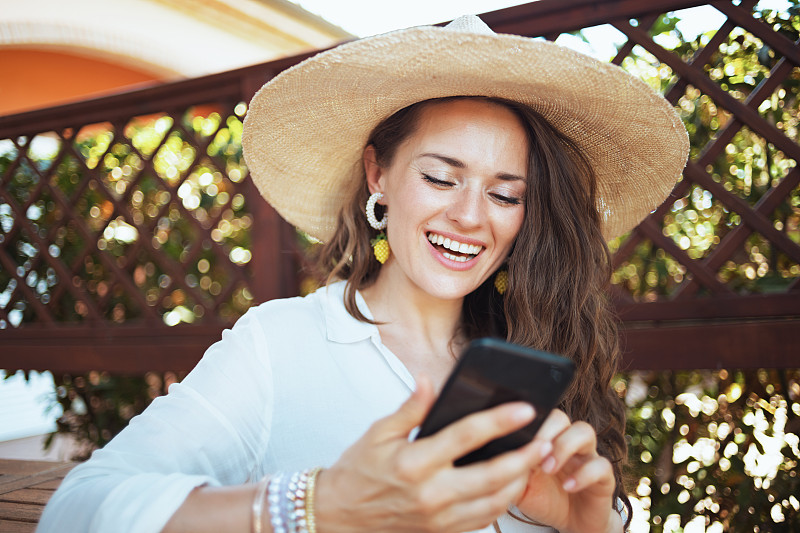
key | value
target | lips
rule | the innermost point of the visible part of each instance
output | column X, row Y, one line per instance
column 453, row 249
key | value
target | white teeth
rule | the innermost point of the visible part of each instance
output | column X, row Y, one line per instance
column 459, row 258
column 462, row 248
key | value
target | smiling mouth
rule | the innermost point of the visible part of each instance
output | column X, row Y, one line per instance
column 454, row 250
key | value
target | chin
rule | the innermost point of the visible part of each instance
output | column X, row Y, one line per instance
column 449, row 291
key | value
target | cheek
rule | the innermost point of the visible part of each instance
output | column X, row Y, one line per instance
column 411, row 203
column 511, row 226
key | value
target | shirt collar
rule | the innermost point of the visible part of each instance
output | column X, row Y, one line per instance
column 341, row 326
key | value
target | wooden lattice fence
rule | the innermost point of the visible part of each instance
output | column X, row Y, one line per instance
column 130, row 234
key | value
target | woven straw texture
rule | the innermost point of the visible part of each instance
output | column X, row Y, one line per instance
column 306, row 129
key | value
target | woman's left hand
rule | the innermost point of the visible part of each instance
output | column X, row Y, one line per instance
column 573, row 489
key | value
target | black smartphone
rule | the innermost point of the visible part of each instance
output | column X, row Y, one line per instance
column 491, row 372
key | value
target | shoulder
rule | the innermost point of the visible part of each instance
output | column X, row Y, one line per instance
column 286, row 308
column 295, row 316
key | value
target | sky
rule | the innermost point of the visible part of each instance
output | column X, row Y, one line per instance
column 370, row 17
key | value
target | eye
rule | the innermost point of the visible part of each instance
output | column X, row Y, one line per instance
column 436, row 181
column 504, row 199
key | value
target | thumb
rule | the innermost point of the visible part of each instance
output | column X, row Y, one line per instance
column 411, row 413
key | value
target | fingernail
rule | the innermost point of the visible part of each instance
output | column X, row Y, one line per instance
column 523, row 413
column 549, row 465
column 569, row 484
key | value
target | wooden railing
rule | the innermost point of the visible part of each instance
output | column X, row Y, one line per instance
column 85, row 296
column 121, row 217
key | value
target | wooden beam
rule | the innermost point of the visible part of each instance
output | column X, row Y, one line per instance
column 650, row 228
column 267, row 265
column 774, row 39
column 717, row 307
column 122, row 350
column 751, row 217
column 701, row 81
column 735, row 344
column 536, row 19
column 646, row 346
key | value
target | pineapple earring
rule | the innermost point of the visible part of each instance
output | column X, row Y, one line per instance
column 501, row 281
column 380, row 246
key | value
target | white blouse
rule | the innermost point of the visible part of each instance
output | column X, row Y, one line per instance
column 292, row 385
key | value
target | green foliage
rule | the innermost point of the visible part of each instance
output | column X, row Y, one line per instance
column 748, row 166
column 714, row 449
column 137, row 201
column 97, row 406
column 718, row 451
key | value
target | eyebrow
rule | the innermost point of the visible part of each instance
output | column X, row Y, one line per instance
column 504, row 176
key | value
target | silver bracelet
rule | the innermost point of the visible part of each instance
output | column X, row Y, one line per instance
column 258, row 505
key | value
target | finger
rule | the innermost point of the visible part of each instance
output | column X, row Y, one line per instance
column 487, row 477
column 476, row 514
column 409, row 415
column 598, row 471
column 556, row 423
column 472, row 432
column 579, row 439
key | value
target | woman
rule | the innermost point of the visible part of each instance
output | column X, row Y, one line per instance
column 491, row 170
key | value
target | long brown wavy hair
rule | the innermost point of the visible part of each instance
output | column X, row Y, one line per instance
column 559, row 270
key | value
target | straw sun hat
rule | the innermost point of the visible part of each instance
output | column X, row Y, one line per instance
column 306, row 128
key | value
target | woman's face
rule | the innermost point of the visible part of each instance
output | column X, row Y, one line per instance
column 454, row 193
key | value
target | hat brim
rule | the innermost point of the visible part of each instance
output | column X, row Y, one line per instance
column 306, row 129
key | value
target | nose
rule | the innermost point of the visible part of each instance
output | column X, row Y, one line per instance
column 468, row 208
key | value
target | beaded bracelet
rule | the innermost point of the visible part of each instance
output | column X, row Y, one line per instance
column 277, row 517
column 295, row 502
column 290, row 500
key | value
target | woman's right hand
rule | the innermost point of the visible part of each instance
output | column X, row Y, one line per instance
column 386, row 483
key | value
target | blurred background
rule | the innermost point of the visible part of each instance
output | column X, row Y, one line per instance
column 130, row 235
